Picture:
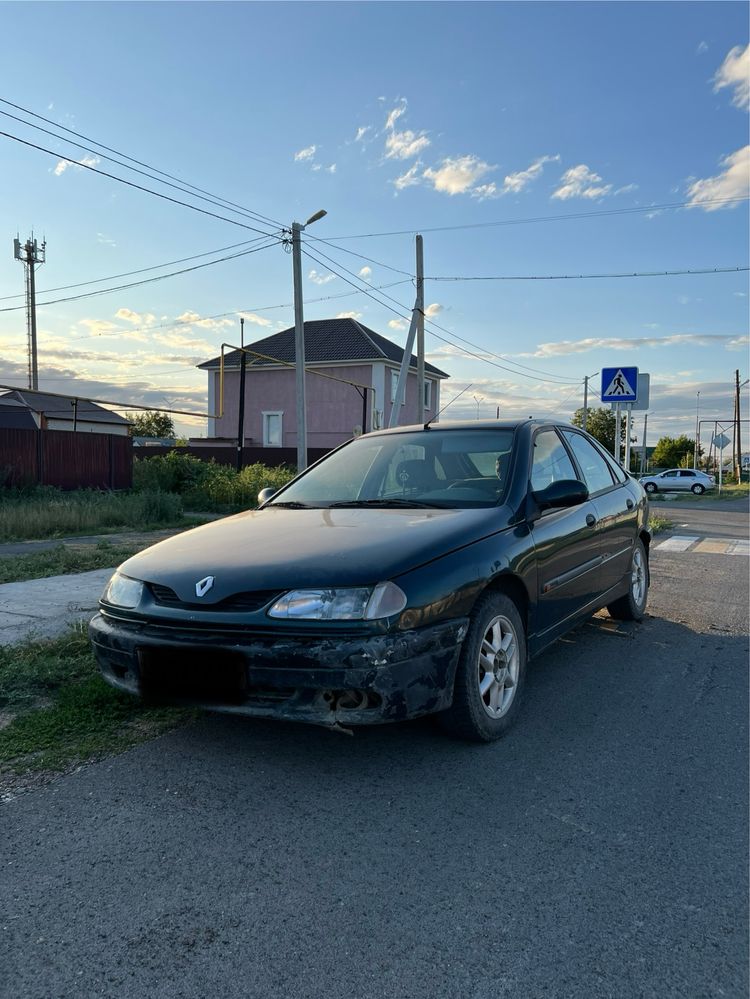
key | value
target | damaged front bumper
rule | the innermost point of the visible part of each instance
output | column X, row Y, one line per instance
column 334, row 680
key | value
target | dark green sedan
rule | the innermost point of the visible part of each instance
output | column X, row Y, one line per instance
column 409, row 572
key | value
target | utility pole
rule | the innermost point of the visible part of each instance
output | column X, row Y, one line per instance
column 30, row 254
column 420, row 331
column 299, row 338
column 241, row 406
column 585, row 420
column 696, row 451
column 417, row 318
column 739, row 439
column 643, row 446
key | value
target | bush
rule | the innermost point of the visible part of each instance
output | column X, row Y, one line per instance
column 206, row 485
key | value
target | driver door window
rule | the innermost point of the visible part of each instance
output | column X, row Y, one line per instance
column 550, row 462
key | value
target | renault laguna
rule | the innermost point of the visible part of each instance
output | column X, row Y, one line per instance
column 411, row 571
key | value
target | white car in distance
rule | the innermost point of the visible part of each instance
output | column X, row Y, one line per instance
column 678, row 480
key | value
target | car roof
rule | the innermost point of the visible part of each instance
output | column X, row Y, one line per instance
column 471, row 425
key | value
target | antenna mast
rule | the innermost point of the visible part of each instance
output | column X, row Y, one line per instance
column 30, row 255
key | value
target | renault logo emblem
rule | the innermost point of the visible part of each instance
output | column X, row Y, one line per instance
column 203, row 586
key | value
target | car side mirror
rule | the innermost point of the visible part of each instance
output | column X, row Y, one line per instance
column 563, row 493
column 265, row 495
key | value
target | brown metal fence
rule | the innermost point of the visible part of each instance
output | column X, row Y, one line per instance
column 65, row 459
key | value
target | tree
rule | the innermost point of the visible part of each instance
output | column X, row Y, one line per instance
column 601, row 424
column 147, row 424
column 670, row 452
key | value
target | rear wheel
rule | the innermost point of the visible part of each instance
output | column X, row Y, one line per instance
column 632, row 606
column 650, row 487
column 698, row 489
column 490, row 673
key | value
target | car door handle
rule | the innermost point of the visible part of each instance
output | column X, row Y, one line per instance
column 590, row 520
column 630, row 504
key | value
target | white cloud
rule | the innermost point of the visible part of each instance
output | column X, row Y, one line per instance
column 365, row 273
column 305, row 154
column 702, row 47
column 104, row 240
column 734, row 72
column 362, row 132
column 136, row 318
column 484, row 191
column 457, row 175
column 317, row 166
column 320, row 278
column 402, row 145
column 732, row 182
column 258, row 320
column 193, row 319
column 349, row 315
column 564, row 347
column 580, row 182
column 331, row 168
column 174, row 339
column 85, row 161
column 740, row 294
column 397, row 324
column 409, row 178
column 433, row 310
column 515, row 182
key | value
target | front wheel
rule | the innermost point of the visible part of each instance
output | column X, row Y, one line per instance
column 698, row 489
column 490, row 673
column 632, row 606
column 650, row 488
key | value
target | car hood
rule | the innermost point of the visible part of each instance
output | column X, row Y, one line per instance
column 279, row 549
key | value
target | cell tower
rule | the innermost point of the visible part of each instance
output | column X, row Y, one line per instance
column 30, row 255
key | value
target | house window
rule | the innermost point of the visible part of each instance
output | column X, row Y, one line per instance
column 272, row 429
column 394, row 386
column 427, row 394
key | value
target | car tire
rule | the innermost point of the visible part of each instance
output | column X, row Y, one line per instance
column 650, row 488
column 632, row 606
column 490, row 673
column 698, row 489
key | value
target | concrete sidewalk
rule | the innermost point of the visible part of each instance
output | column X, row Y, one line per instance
column 44, row 608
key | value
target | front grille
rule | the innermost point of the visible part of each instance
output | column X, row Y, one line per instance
column 238, row 602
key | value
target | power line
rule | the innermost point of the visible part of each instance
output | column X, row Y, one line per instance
column 543, row 218
column 361, row 256
column 151, row 280
column 432, row 322
column 137, row 187
column 579, row 277
column 451, row 343
column 70, row 131
column 232, row 312
column 142, row 270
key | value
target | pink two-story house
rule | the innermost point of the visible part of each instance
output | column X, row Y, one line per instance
column 350, row 384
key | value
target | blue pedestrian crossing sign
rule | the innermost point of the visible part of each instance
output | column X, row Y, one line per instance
column 619, row 384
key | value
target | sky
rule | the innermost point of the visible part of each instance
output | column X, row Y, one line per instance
column 523, row 140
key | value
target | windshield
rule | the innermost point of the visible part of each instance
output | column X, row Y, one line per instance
column 440, row 468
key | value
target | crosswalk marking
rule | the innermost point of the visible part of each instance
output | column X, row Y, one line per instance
column 704, row 546
column 678, row 543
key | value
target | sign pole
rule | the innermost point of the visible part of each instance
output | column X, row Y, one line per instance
column 629, row 420
column 618, row 423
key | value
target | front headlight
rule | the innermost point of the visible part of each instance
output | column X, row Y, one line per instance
column 122, row 591
column 360, row 603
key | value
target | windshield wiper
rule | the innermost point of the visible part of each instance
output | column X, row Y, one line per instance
column 294, row 505
column 385, row 503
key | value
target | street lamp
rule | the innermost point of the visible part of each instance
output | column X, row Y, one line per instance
column 299, row 338
column 697, row 429
column 477, row 400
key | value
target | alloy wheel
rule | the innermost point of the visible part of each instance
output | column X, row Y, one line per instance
column 498, row 667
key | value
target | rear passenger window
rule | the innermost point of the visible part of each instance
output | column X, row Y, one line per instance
column 551, row 462
column 596, row 473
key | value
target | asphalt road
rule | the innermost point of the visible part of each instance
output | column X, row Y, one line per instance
column 599, row 851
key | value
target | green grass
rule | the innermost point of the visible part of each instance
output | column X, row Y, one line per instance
column 49, row 513
column 659, row 524
column 62, row 712
column 63, row 560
